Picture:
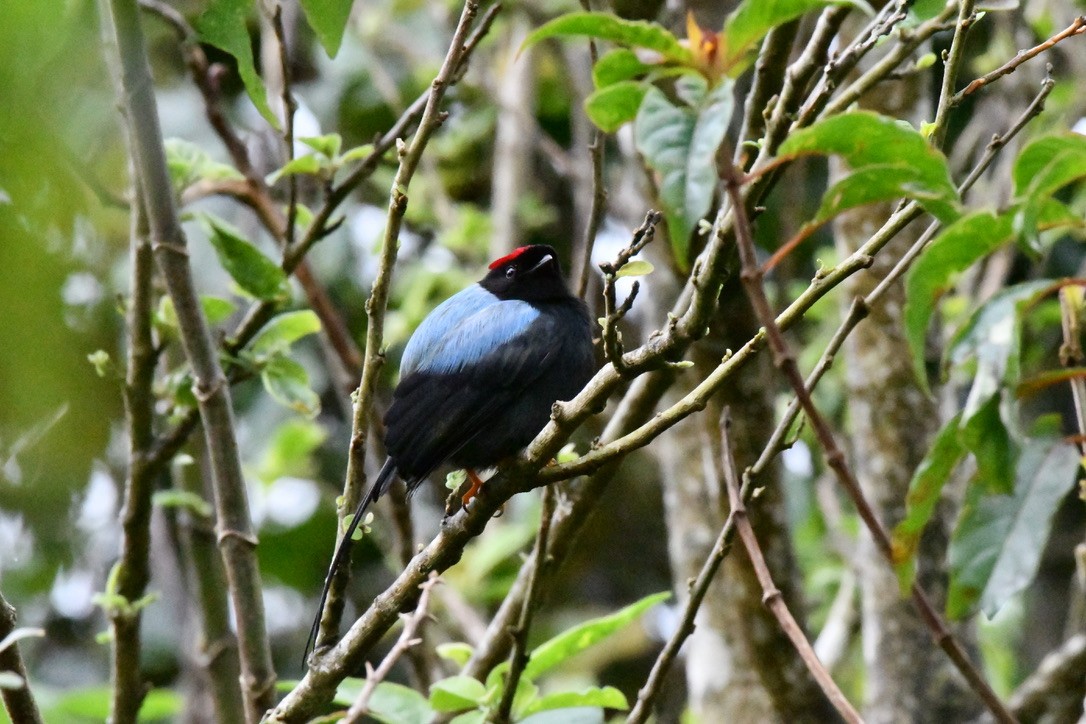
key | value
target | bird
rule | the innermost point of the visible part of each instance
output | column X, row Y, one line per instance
column 478, row 379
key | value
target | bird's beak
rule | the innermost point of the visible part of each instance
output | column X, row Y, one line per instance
column 539, row 264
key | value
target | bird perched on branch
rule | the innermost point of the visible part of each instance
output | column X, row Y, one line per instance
column 478, row 378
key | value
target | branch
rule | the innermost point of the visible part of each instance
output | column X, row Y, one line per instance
column 1078, row 27
column 290, row 107
column 583, row 257
column 1071, row 354
column 236, row 539
column 407, row 639
column 771, row 596
column 953, row 62
column 132, row 570
column 217, row 647
column 613, row 312
column 518, row 659
column 767, row 86
column 1058, row 677
column 19, row 702
column 432, row 117
column 783, row 359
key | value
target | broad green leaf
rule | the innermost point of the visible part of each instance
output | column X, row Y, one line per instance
column 290, row 450
column 680, row 144
column 285, row 329
column 635, row 268
column 307, row 165
column 865, row 139
column 1049, row 163
column 356, row 153
column 216, row 309
column 991, row 333
column 456, row 693
column 188, row 163
column 997, row 545
column 608, row 698
column 329, row 144
column 617, row 65
column 288, row 384
column 390, row 703
column 184, row 499
column 984, row 433
column 255, row 273
column 328, row 18
column 225, row 25
column 569, row 643
column 615, row 105
column 472, row 717
column 457, row 652
column 605, row 26
column 925, row 489
column 954, row 250
column 881, row 182
column 754, row 18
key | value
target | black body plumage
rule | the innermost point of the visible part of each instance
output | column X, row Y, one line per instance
column 479, row 376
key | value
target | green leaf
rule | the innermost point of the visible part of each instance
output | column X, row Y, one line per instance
column 216, row 309
column 984, row 434
column 188, row 163
column 925, row 488
column 328, row 18
column 255, row 273
column 307, row 165
column 864, row 140
column 617, row 65
column 635, row 268
column 881, row 182
column 283, row 330
column 997, row 545
column 327, row 145
column 605, row 26
column 184, row 499
column 94, row 703
column 290, row 450
column 458, row 652
column 225, row 25
column 288, row 384
column 754, row 18
column 1049, row 163
column 954, row 250
column 615, row 105
column 456, row 693
column 356, row 153
column 680, row 144
column 390, row 703
column 569, row 643
column 608, row 698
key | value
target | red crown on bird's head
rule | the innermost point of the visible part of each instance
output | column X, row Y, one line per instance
column 508, row 257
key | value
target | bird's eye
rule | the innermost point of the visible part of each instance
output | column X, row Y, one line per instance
column 510, row 273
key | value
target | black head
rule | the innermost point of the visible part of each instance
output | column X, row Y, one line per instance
column 530, row 273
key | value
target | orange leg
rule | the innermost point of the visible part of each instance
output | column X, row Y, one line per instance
column 476, row 485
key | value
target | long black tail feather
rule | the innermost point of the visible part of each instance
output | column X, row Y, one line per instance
column 378, row 488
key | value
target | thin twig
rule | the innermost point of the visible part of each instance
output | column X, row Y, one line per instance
column 1071, row 354
column 133, row 570
column 954, row 56
column 19, row 702
column 290, row 107
column 835, row 458
column 613, row 312
column 771, row 595
column 410, row 155
column 407, row 639
column 1058, row 678
column 1078, row 27
column 583, row 257
column 518, row 658
column 236, row 538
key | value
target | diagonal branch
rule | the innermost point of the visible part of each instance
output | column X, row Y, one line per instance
column 835, row 458
column 19, row 701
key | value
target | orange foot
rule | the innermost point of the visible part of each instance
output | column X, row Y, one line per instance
column 476, row 486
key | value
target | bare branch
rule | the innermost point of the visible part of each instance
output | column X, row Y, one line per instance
column 612, row 311
column 1078, row 27
column 771, row 596
column 407, row 639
